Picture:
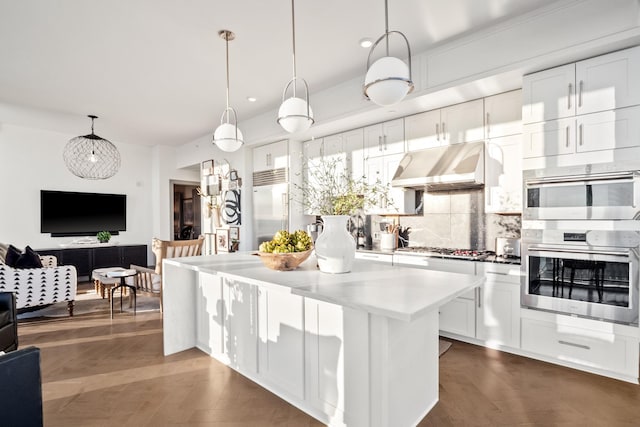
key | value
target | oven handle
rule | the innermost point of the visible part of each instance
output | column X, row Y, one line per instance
column 623, row 254
column 559, row 180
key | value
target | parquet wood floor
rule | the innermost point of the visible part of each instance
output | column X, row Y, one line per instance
column 99, row 372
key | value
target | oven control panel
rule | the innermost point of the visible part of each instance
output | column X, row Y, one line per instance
column 613, row 238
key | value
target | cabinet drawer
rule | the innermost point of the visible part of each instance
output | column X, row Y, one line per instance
column 594, row 349
column 459, row 317
column 374, row 257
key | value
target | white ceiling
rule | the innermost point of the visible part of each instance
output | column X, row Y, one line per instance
column 154, row 70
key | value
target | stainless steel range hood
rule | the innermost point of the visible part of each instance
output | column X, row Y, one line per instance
column 450, row 167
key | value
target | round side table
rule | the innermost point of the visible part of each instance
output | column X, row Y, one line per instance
column 122, row 275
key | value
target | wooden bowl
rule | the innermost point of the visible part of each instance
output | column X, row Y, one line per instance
column 284, row 262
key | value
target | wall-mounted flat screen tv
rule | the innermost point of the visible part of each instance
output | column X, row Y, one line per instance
column 65, row 213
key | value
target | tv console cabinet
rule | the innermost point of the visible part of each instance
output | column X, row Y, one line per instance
column 87, row 259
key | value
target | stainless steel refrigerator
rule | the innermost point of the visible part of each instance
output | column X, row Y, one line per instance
column 270, row 210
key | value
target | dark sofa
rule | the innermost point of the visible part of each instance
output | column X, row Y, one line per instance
column 8, row 322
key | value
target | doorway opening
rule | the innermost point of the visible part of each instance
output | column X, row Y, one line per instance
column 186, row 211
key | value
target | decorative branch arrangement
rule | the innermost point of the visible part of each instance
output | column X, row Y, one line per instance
column 329, row 189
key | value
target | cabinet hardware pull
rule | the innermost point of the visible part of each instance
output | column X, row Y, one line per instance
column 569, row 97
column 443, row 130
column 384, row 138
column 581, row 136
column 586, row 347
column 580, row 94
column 479, row 296
column 497, row 272
column 567, row 137
column 437, row 132
column 379, row 143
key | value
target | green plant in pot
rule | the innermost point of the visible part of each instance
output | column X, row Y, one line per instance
column 103, row 236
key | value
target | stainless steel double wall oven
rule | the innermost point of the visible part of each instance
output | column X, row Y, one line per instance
column 581, row 241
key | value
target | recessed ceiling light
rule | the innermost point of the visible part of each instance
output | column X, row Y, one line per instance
column 251, row 99
column 366, row 42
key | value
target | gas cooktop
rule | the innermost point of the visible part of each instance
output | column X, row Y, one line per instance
column 446, row 252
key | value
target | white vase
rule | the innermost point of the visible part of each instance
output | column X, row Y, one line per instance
column 335, row 246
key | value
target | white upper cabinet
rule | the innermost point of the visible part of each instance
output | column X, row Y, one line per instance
column 609, row 81
column 602, row 83
column 607, row 130
column 548, row 94
column 550, row 138
column 270, row 156
column 423, row 131
column 353, row 145
column 463, row 122
column 450, row 125
column 503, row 114
column 384, row 138
column 503, row 180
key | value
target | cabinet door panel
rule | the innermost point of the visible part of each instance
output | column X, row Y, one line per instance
column 134, row 255
column 393, row 137
column 107, row 257
column 353, row 145
column 384, row 138
column 549, row 94
column 459, row 317
column 549, row 138
column 281, row 343
column 270, row 156
column 609, row 81
column 241, row 342
column 503, row 175
column 210, row 314
column 608, row 130
column 80, row 258
column 423, row 131
column 499, row 315
column 464, row 122
column 503, row 114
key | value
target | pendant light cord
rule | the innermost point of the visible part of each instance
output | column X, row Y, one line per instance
column 226, row 38
column 386, row 24
column 293, row 33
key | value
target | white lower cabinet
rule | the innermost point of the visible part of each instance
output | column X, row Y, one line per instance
column 373, row 256
column 240, row 327
column 336, row 343
column 459, row 316
column 498, row 315
column 599, row 347
column 281, row 340
column 210, row 314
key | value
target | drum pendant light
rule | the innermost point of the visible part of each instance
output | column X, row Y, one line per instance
column 227, row 136
column 388, row 80
column 295, row 113
column 91, row 157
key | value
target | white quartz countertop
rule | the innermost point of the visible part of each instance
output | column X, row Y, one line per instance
column 398, row 292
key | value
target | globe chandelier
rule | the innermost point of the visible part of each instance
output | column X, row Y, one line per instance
column 227, row 136
column 295, row 113
column 388, row 80
column 91, row 156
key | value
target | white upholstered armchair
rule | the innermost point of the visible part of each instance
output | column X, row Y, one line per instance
column 41, row 286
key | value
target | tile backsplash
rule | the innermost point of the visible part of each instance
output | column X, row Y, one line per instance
column 455, row 219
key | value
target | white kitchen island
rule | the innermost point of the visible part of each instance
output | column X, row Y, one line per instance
column 354, row 349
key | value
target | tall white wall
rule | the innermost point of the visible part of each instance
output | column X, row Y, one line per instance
column 31, row 160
